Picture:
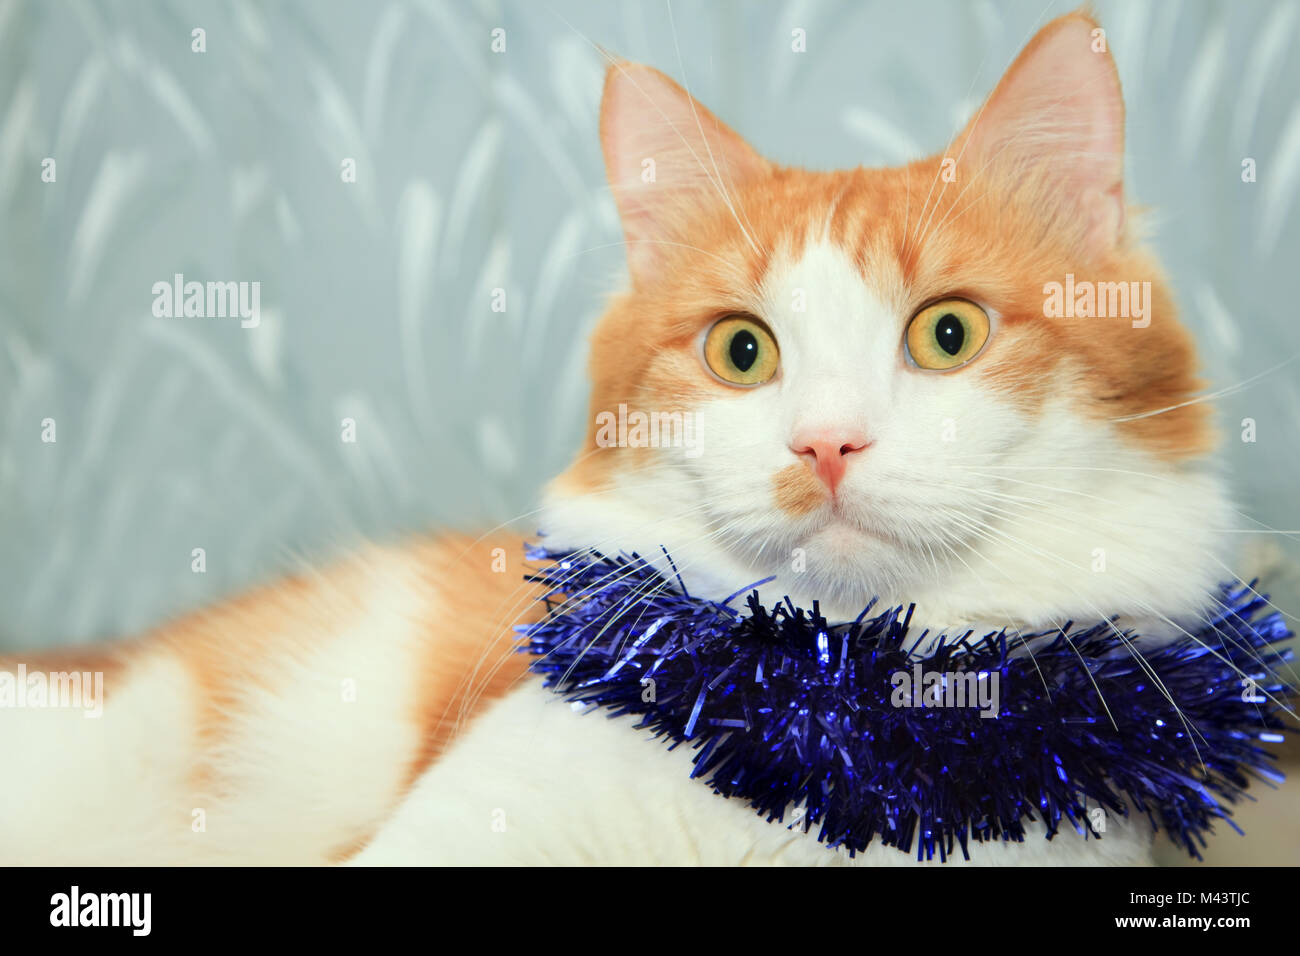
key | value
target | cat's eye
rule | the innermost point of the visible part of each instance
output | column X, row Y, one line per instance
column 741, row 351
column 947, row 333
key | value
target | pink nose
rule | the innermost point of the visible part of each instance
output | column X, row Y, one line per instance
column 829, row 452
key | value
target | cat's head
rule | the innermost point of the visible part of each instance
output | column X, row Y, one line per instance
column 877, row 382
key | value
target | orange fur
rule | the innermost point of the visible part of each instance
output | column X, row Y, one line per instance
column 470, row 665
column 797, row 491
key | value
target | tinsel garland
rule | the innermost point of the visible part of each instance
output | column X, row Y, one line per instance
column 799, row 716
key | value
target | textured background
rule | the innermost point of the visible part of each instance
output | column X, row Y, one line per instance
column 475, row 171
column 478, row 171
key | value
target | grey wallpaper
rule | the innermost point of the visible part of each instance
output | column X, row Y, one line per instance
column 477, row 176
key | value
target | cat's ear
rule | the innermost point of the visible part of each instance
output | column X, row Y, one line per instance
column 664, row 154
column 1058, row 115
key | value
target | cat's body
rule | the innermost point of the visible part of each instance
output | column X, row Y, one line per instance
column 534, row 782
column 1058, row 471
column 270, row 758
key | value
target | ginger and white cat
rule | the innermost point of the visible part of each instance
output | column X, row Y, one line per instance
column 882, row 408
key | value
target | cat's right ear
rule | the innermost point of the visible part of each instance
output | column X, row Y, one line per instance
column 664, row 153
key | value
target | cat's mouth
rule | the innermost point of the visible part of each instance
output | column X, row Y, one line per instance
column 850, row 515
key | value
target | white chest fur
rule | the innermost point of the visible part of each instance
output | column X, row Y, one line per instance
column 533, row 782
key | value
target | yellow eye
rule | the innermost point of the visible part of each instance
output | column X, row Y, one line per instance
column 741, row 351
column 947, row 334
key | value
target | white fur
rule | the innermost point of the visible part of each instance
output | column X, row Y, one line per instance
column 533, row 782
column 92, row 790
column 299, row 775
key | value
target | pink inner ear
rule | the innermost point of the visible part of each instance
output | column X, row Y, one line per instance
column 1059, row 109
column 664, row 153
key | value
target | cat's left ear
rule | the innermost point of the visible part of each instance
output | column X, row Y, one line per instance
column 1058, row 115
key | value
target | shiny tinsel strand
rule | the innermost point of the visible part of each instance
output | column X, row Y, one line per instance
column 786, row 710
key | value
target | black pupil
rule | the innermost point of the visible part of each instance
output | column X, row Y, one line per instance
column 950, row 334
column 743, row 350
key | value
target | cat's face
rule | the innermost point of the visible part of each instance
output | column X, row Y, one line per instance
column 860, row 381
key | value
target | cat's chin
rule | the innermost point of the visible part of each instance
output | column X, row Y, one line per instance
column 843, row 567
column 841, row 545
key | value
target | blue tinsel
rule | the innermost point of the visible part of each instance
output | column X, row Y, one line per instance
column 786, row 710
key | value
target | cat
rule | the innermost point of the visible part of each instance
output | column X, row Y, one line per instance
column 882, row 406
